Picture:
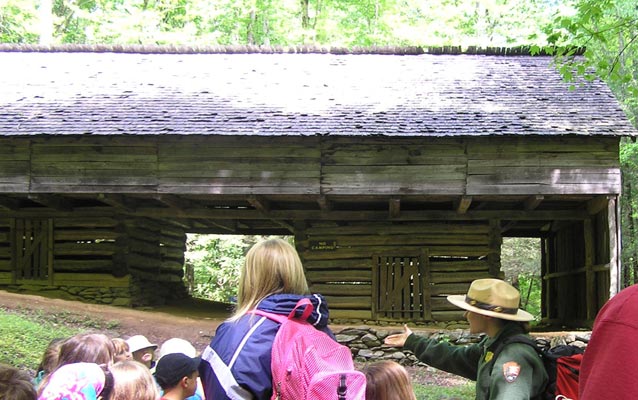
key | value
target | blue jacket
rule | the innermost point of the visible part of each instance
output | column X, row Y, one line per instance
column 236, row 364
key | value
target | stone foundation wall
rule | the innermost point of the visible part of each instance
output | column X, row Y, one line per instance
column 366, row 343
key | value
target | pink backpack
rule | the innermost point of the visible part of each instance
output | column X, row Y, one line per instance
column 308, row 364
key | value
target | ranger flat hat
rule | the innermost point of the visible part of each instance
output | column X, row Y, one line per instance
column 494, row 298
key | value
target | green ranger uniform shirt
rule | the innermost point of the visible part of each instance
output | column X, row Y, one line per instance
column 517, row 374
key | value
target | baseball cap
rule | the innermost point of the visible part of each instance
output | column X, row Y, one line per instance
column 171, row 368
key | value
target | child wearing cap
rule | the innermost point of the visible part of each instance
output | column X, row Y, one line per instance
column 492, row 308
column 177, row 375
column 142, row 350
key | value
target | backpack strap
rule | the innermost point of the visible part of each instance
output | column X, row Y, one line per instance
column 307, row 310
column 519, row 338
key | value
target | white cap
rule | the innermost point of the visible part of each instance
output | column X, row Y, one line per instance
column 177, row 345
column 139, row 342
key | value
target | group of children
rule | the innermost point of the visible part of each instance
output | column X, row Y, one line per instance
column 92, row 366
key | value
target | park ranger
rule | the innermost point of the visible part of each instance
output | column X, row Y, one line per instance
column 491, row 308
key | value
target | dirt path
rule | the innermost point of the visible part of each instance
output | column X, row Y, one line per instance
column 193, row 321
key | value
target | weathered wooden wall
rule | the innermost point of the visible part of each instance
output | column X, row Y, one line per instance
column 339, row 263
column 310, row 165
column 109, row 260
column 576, row 270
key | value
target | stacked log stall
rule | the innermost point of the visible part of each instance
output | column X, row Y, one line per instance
column 6, row 272
column 339, row 265
column 154, row 254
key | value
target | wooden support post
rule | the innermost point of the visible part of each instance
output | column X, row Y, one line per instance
column 324, row 203
column 590, row 283
column 462, row 204
column 494, row 255
column 394, row 207
column 259, row 204
column 50, row 250
column 426, row 284
column 615, row 268
column 532, row 202
column 13, row 237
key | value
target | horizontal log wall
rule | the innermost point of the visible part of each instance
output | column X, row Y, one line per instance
column 154, row 255
column 457, row 255
column 6, row 272
column 109, row 260
column 357, row 165
column 546, row 165
column 311, row 165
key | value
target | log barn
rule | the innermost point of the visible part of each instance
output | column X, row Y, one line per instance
column 398, row 172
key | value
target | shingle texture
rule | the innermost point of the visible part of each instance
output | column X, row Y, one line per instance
column 297, row 94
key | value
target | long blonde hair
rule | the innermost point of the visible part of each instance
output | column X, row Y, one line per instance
column 388, row 380
column 272, row 266
column 132, row 380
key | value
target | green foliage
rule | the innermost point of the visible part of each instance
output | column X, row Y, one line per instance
column 530, row 286
column 18, row 22
column 521, row 263
column 216, row 262
column 280, row 22
column 608, row 30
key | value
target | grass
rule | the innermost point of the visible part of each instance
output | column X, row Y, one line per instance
column 24, row 334
column 462, row 392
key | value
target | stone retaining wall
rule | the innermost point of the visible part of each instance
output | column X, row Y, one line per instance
column 366, row 343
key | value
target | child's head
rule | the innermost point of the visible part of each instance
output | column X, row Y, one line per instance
column 142, row 350
column 388, row 380
column 86, row 347
column 178, row 372
column 177, row 345
column 77, row 380
column 50, row 356
column 272, row 266
column 132, row 380
column 122, row 351
column 15, row 384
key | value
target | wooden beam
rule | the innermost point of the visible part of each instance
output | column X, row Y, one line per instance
column 532, row 202
column 508, row 226
column 394, row 207
column 9, row 203
column 247, row 214
column 597, row 204
column 53, row 201
column 462, row 204
column 324, row 203
column 176, row 202
column 259, row 203
column 116, row 201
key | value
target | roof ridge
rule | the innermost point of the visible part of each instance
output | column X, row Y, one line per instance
column 255, row 49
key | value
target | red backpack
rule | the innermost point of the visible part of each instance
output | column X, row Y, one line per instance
column 308, row 364
column 562, row 364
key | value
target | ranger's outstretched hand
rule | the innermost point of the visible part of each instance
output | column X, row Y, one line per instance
column 398, row 339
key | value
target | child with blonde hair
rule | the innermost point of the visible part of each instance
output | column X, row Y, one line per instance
column 272, row 280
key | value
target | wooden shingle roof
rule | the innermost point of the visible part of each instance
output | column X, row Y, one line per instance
column 62, row 93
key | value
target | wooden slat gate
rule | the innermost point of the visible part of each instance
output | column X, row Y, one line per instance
column 32, row 249
column 401, row 287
